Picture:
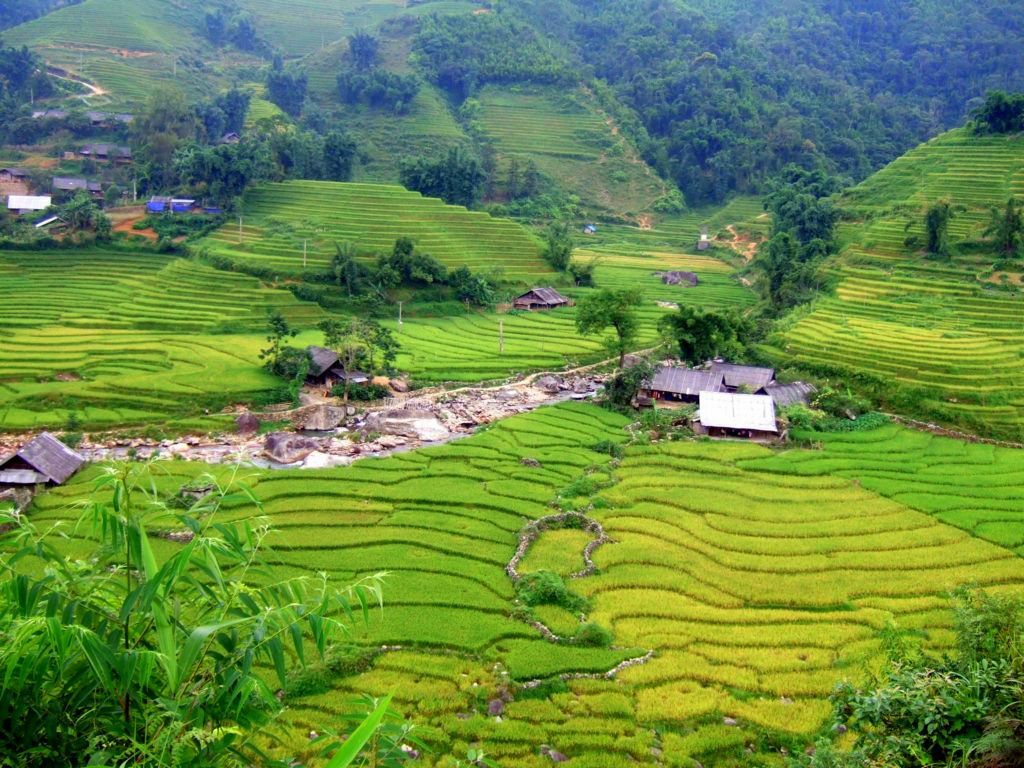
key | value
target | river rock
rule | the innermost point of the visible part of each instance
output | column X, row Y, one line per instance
column 583, row 386
column 320, row 460
column 323, row 419
column 550, row 384
column 415, row 423
column 288, row 448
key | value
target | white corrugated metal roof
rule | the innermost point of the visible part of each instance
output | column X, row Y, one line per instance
column 29, row 202
column 731, row 411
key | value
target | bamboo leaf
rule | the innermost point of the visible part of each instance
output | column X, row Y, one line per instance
column 360, row 737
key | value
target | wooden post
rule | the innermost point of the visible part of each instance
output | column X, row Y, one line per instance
column 400, row 312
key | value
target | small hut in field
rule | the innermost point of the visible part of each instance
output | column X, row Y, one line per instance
column 43, row 461
column 540, row 298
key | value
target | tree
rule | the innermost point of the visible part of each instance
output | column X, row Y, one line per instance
column 1001, row 113
column 558, row 247
column 140, row 655
column 348, row 272
column 701, row 336
column 615, row 309
column 286, row 89
column 348, row 342
column 279, row 332
column 1007, row 230
column 339, row 156
column 936, row 222
column 471, row 288
column 363, row 49
column 165, row 124
column 583, row 272
column 457, row 178
column 778, row 260
column 81, row 212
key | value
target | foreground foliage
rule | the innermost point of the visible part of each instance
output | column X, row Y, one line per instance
column 136, row 656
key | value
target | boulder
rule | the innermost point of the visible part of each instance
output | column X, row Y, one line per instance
column 729, row 721
column 418, row 424
column 583, row 386
column 320, row 460
column 496, row 708
column 323, row 419
column 288, row 448
column 631, row 361
column 399, row 385
column 550, row 384
column 528, row 462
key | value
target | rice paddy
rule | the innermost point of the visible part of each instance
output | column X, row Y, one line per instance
column 121, row 338
column 759, row 580
column 572, row 143
column 278, row 219
column 939, row 336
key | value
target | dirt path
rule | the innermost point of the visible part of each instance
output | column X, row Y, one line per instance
column 745, row 245
column 61, row 74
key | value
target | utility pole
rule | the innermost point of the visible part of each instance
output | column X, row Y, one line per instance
column 501, row 337
column 239, row 230
column 400, row 312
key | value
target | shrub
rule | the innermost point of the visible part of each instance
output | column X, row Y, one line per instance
column 548, row 588
column 593, row 635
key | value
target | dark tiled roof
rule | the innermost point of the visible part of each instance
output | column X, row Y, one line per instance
column 50, row 457
column 548, row 296
column 785, row 395
column 321, row 360
column 744, row 375
column 685, row 381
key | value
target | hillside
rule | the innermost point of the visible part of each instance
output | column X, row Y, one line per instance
column 125, row 49
column 278, row 218
column 932, row 337
column 740, row 568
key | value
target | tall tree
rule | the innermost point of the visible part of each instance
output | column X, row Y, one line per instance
column 278, row 333
column 701, row 336
column 558, row 247
column 936, row 223
column 1006, row 229
column 349, row 342
column 339, row 155
column 363, row 49
column 615, row 309
column 286, row 89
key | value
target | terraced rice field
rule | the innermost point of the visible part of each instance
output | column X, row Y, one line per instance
column 127, row 49
column 277, row 218
column 934, row 335
column 572, row 144
column 467, row 348
column 303, row 27
column 125, row 338
column 758, row 579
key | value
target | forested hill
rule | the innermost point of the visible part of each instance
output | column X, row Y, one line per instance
column 19, row 11
column 731, row 91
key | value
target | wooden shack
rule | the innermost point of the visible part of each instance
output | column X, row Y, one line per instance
column 540, row 298
column 681, row 385
column 325, row 369
column 747, row 377
column 43, row 461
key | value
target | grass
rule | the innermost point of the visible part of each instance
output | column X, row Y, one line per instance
column 940, row 340
column 759, row 578
column 572, row 143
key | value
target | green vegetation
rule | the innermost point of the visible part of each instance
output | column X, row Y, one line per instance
column 937, row 339
column 127, row 338
column 278, row 218
column 743, row 569
column 571, row 143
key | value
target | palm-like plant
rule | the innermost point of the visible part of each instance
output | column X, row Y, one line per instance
column 135, row 655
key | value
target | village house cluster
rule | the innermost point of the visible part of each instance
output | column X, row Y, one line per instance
column 733, row 400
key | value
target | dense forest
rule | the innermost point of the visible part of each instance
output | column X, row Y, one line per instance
column 732, row 92
column 12, row 13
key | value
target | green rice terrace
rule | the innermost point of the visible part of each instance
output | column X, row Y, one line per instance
column 125, row 338
column 736, row 579
column 571, row 142
column 124, row 49
column 121, row 338
column 940, row 337
column 278, row 218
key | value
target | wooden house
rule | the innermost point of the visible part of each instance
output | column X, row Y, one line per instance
column 681, row 385
column 325, row 369
column 540, row 298
column 105, row 153
column 43, row 461
column 750, row 378
column 727, row 414
column 13, row 176
column 785, row 395
column 70, row 185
